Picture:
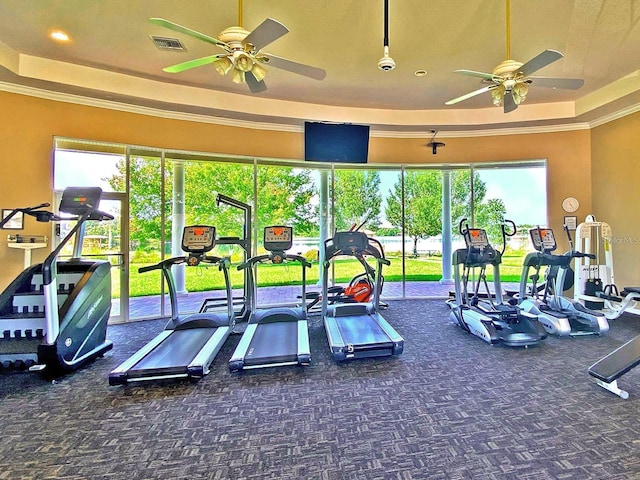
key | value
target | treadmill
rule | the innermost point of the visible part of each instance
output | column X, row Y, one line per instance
column 357, row 330
column 274, row 336
column 187, row 346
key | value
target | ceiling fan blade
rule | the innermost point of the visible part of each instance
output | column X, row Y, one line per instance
column 566, row 83
column 295, row 67
column 187, row 31
column 198, row 62
column 473, row 73
column 539, row 61
column 471, row 94
column 509, row 102
column 265, row 33
column 254, row 85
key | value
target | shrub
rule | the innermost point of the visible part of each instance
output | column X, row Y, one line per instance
column 312, row 255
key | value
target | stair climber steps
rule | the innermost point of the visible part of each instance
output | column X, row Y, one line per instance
column 66, row 281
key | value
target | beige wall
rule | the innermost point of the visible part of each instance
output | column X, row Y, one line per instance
column 616, row 196
column 28, row 125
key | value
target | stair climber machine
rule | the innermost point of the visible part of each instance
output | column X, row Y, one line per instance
column 357, row 329
column 53, row 316
column 558, row 314
column 274, row 336
column 187, row 346
column 489, row 318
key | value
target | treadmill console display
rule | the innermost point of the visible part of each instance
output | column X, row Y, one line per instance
column 278, row 238
column 543, row 239
column 198, row 238
column 348, row 241
column 477, row 238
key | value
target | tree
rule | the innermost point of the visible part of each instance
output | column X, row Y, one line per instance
column 490, row 216
column 461, row 195
column 284, row 196
column 145, row 201
column 356, row 193
column 422, row 204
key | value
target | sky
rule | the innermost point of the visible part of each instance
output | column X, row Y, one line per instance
column 523, row 190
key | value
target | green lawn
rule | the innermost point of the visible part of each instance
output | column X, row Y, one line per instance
column 203, row 278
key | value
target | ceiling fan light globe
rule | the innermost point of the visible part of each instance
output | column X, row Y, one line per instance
column 223, row 65
column 497, row 94
column 520, row 91
column 259, row 71
column 243, row 61
column 237, row 76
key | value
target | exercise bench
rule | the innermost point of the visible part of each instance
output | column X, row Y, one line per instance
column 607, row 370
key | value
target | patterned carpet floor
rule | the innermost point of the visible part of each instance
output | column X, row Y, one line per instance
column 450, row 407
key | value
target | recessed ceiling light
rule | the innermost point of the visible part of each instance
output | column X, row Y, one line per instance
column 420, row 73
column 59, row 36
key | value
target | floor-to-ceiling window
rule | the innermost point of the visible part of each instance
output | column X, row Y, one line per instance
column 92, row 164
column 512, row 191
column 413, row 211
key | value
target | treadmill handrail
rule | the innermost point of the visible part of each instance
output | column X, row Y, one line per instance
column 331, row 251
column 261, row 258
column 169, row 262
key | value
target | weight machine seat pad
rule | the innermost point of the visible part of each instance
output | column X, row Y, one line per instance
column 628, row 290
column 618, row 362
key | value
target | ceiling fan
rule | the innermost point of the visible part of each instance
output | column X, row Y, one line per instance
column 509, row 82
column 242, row 52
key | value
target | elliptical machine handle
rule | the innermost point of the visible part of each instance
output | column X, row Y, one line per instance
column 513, row 231
column 507, row 233
column 464, row 223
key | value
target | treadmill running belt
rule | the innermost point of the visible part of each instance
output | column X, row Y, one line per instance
column 361, row 330
column 273, row 343
column 178, row 350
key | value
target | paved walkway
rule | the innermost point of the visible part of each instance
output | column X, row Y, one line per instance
column 146, row 307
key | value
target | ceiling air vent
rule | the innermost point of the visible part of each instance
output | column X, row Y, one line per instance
column 166, row 43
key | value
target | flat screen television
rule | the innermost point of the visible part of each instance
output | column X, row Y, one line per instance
column 336, row 142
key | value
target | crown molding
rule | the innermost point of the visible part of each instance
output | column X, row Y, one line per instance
column 378, row 131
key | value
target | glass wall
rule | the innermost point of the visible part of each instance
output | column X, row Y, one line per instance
column 145, row 179
column 413, row 211
column 517, row 192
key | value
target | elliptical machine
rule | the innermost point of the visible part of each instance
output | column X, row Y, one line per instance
column 488, row 318
column 558, row 314
column 53, row 316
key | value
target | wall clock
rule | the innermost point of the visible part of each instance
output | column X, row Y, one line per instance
column 570, row 204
